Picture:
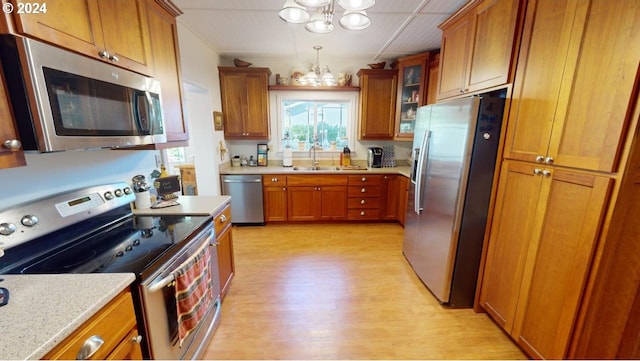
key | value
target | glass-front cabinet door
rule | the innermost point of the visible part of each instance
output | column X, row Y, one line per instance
column 412, row 88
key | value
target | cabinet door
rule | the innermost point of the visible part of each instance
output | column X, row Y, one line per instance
column 126, row 34
column 432, row 81
column 332, row 204
column 164, row 44
column 495, row 29
column 275, row 204
column 412, row 88
column 594, row 103
column 574, row 206
column 128, row 349
column 402, row 196
column 256, row 122
column 226, row 264
column 391, row 197
column 540, row 67
column 511, row 228
column 78, row 29
column 570, row 102
column 233, row 98
column 377, row 103
column 301, row 203
column 454, row 54
column 8, row 157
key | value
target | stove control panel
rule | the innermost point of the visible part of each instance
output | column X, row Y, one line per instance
column 34, row 219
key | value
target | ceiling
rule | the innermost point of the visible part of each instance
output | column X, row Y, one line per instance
column 252, row 28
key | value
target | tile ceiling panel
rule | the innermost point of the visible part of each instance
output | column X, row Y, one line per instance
column 252, row 28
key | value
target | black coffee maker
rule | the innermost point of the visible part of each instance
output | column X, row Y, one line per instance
column 374, row 157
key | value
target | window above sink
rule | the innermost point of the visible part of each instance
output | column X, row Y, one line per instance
column 331, row 116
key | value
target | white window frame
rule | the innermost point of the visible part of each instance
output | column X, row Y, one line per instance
column 277, row 112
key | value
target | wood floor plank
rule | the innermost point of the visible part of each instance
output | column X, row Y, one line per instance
column 341, row 291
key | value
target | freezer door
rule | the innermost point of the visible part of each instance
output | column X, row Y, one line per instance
column 451, row 130
column 411, row 217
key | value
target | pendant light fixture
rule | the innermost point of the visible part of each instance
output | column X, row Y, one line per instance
column 317, row 75
column 317, row 15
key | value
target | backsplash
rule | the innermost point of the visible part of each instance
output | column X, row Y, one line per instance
column 50, row 173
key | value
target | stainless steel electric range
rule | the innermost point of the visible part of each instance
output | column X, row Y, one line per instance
column 93, row 230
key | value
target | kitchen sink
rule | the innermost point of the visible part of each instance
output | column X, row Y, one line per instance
column 316, row 168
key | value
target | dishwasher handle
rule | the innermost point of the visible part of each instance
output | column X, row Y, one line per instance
column 242, row 180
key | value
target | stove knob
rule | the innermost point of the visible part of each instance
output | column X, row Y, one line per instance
column 7, row 228
column 120, row 254
column 136, row 242
column 108, row 195
column 118, row 192
column 127, row 190
column 29, row 220
column 128, row 248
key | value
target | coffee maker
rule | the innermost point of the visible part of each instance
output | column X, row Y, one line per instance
column 374, row 157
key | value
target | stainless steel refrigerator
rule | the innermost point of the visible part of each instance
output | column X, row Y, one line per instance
column 454, row 155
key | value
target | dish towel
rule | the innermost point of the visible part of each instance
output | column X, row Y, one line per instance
column 193, row 291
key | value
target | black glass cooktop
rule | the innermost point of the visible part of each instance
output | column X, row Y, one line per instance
column 113, row 242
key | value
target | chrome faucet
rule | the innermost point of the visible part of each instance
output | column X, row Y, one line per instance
column 314, row 163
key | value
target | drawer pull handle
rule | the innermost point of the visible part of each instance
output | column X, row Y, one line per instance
column 363, row 201
column 363, row 190
column 362, row 213
column 136, row 339
column 90, row 347
column 364, row 179
column 223, row 218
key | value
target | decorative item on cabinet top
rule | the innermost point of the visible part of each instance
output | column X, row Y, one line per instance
column 241, row 63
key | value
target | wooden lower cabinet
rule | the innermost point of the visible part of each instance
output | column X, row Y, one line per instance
column 361, row 197
column 8, row 133
column 274, row 193
column 224, row 239
column 115, row 324
column 541, row 246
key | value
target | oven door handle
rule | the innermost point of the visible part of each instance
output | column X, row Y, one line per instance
column 171, row 277
column 162, row 283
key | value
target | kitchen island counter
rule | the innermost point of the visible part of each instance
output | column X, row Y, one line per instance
column 188, row 206
column 44, row 309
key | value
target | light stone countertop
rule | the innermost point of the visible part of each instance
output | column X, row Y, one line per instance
column 189, row 205
column 44, row 309
column 278, row 169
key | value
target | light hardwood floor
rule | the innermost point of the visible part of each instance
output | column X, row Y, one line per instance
column 341, row 291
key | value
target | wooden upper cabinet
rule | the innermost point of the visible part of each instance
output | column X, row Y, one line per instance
column 412, row 92
column 164, row 45
column 478, row 46
column 378, row 89
column 245, row 102
column 11, row 153
column 432, row 82
column 573, row 85
column 111, row 30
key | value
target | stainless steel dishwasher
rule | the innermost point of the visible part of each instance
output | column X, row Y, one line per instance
column 246, row 198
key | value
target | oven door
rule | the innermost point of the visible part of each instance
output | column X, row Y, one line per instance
column 158, row 305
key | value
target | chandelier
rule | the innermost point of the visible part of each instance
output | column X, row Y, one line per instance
column 317, row 15
column 318, row 75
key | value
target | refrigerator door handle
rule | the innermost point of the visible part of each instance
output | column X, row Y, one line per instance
column 422, row 162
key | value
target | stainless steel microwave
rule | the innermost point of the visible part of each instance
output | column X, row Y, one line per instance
column 66, row 101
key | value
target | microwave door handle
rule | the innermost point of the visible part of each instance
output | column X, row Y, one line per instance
column 139, row 115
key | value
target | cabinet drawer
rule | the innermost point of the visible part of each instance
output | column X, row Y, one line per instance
column 316, row 181
column 222, row 219
column 364, row 191
column 362, row 214
column 362, row 202
column 274, row 180
column 365, row 179
column 112, row 324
